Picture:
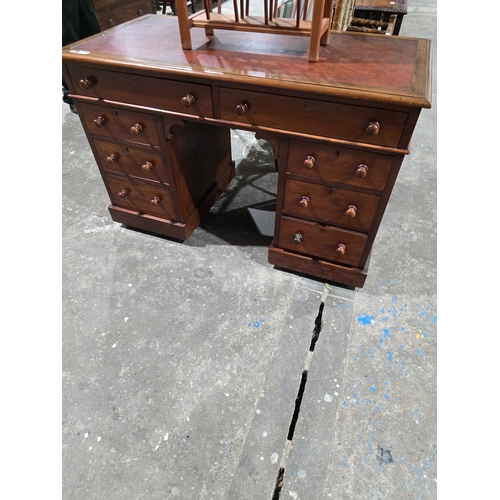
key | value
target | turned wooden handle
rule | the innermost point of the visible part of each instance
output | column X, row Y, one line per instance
column 304, row 202
column 147, row 167
column 123, row 193
column 136, row 129
column 361, row 171
column 99, row 122
column 341, row 249
column 373, row 128
column 351, row 211
column 241, row 108
column 155, row 201
column 112, row 158
column 309, row 162
column 188, row 100
column 298, row 238
column 86, row 83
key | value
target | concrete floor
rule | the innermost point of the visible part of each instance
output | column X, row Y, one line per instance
column 183, row 362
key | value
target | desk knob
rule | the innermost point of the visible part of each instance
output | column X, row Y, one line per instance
column 123, row 193
column 140, row 12
column 298, row 238
column 112, row 158
column 99, row 122
column 373, row 128
column 111, row 21
column 309, row 162
column 136, row 129
column 147, row 167
column 361, row 171
column 155, row 201
column 241, row 108
column 188, row 100
column 351, row 211
column 304, row 202
column 86, row 83
column 341, row 249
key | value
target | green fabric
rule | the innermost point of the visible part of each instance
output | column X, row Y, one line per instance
column 288, row 9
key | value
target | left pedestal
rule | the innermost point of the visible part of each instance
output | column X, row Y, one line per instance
column 162, row 174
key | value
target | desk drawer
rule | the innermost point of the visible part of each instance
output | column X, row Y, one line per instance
column 115, row 123
column 148, row 91
column 145, row 198
column 333, row 164
column 319, row 118
column 323, row 242
column 145, row 162
column 119, row 14
column 328, row 204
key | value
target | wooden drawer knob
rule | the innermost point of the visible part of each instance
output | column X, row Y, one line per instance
column 147, row 167
column 140, row 12
column 99, row 122
column 297, row 239
column 241, row 108
column 123, row 193
column 341, row 249
column 188, row 100
column 136, row 129
column 112, row 158
column 373, row 128
column 86, row 83
column 304, row 202
column 351, row 211
column 155, row 201
column 361, row 171
column 309, row 162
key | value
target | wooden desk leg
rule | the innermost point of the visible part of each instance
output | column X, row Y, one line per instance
column 184, row 25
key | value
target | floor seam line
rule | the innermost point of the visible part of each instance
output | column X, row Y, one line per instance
column 298, row 398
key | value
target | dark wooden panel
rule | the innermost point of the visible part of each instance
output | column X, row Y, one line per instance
column 198, row 155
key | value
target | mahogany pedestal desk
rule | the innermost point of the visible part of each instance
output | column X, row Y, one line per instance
column 158, row 120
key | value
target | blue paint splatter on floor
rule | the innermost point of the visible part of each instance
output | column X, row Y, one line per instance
column 258, row 323
column 365, row 319
column 385, row 335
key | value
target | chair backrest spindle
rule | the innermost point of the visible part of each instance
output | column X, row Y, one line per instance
column 236, row 16
column 306, row 6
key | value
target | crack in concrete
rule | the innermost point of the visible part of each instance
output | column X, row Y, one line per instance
column 298, row 399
